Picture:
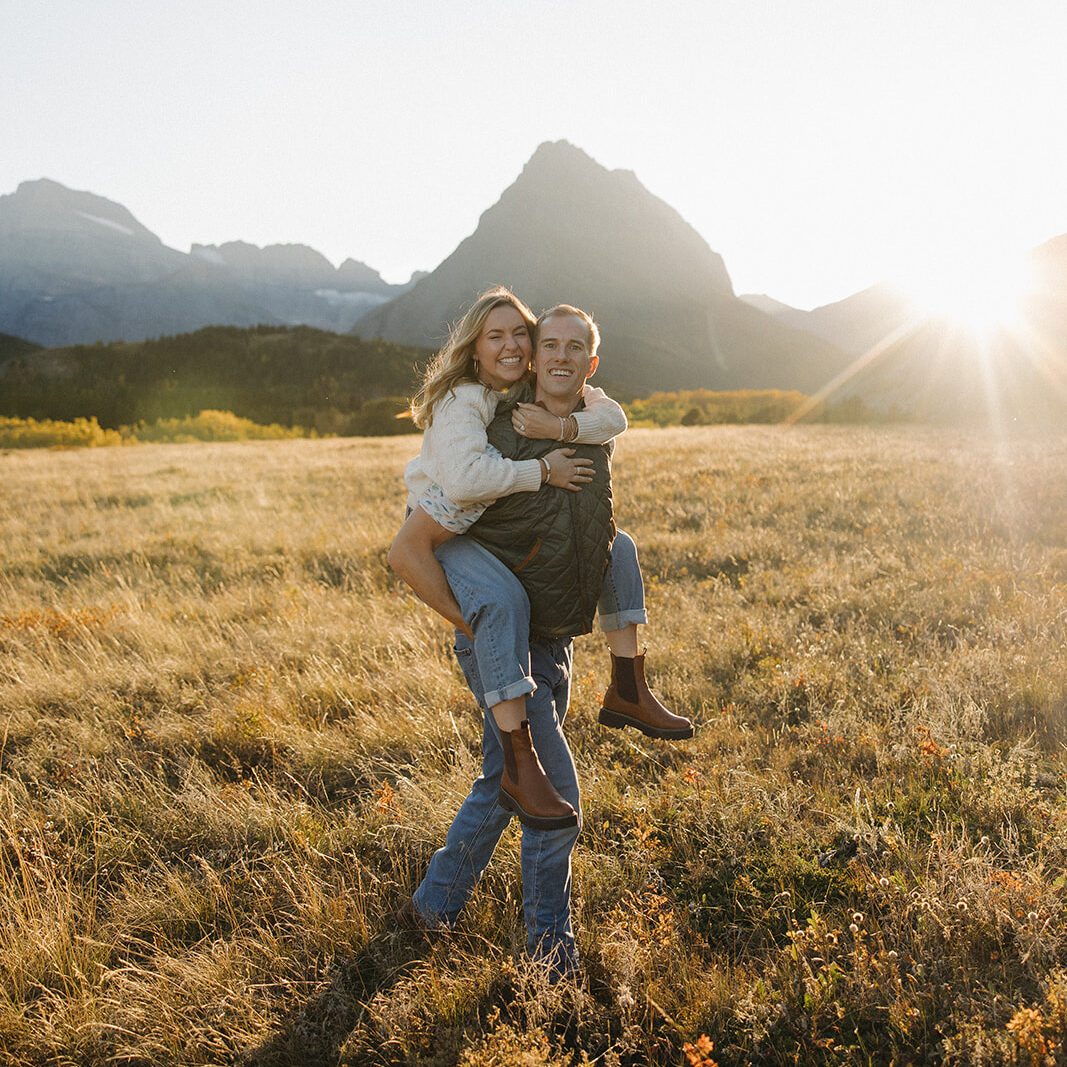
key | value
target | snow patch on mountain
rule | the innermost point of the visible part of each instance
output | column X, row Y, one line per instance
column 110, row 223
column 210, row 254
column 337, row 298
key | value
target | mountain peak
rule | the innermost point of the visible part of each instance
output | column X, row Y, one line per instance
column 278, row 261
column 605, row 218
column 568, row 229
column 42, row 187
column 565, row 161
column 355, row 272
column 44, row 204
column 556, row 152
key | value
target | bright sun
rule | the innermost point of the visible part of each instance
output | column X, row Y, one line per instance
column 978, row 293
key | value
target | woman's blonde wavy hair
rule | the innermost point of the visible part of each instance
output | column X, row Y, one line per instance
column 455, row 362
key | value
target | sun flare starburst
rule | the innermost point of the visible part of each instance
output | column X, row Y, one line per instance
column 978, row 293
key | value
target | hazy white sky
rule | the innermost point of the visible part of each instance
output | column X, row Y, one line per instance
column 818, row 145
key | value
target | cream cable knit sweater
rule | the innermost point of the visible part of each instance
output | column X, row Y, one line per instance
column 454, row 446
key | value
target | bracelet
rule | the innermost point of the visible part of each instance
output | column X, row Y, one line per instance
column 546, row 469
column 571, row 432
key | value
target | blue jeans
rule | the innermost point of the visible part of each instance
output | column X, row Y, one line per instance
column 497, row 610
column 455, row 869
column 622, row 596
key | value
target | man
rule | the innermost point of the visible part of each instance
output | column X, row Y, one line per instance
column 558, row 542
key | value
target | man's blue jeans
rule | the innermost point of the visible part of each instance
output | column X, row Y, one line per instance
column 456, row 868
column 497, row 610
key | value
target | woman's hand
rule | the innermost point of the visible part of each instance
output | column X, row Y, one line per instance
column 531, row 420
column 566, row 472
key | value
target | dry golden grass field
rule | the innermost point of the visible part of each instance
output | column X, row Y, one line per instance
column 230, row 742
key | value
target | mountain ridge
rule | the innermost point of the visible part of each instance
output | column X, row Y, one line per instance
column 76, row 267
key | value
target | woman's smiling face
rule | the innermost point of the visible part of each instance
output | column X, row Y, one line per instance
column 503, row 348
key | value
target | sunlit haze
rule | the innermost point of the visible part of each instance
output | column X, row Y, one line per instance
column 820, row 146
column 973, row 288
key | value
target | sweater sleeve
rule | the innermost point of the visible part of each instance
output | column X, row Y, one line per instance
column 454, row 451
column 601, row 420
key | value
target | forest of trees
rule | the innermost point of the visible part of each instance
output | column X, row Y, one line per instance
column 292, row 376
column 12, row 347
column 705, row 407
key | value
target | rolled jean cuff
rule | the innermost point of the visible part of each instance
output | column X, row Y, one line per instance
column 509, row 692
column 619, row 620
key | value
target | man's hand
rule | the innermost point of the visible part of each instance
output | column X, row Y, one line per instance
column 531, row 420
column 566, row 472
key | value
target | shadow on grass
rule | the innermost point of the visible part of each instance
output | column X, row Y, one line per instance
column 315, row 1033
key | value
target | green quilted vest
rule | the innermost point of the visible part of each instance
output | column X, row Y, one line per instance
column 557, row 542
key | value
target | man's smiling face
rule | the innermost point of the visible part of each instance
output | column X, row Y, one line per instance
column 562, row 361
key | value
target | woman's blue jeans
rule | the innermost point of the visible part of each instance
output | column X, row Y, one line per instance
column 497, row 610
column 455, row 869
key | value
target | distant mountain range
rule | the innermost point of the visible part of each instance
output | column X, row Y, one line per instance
column 76, row 268
column 853, row 324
